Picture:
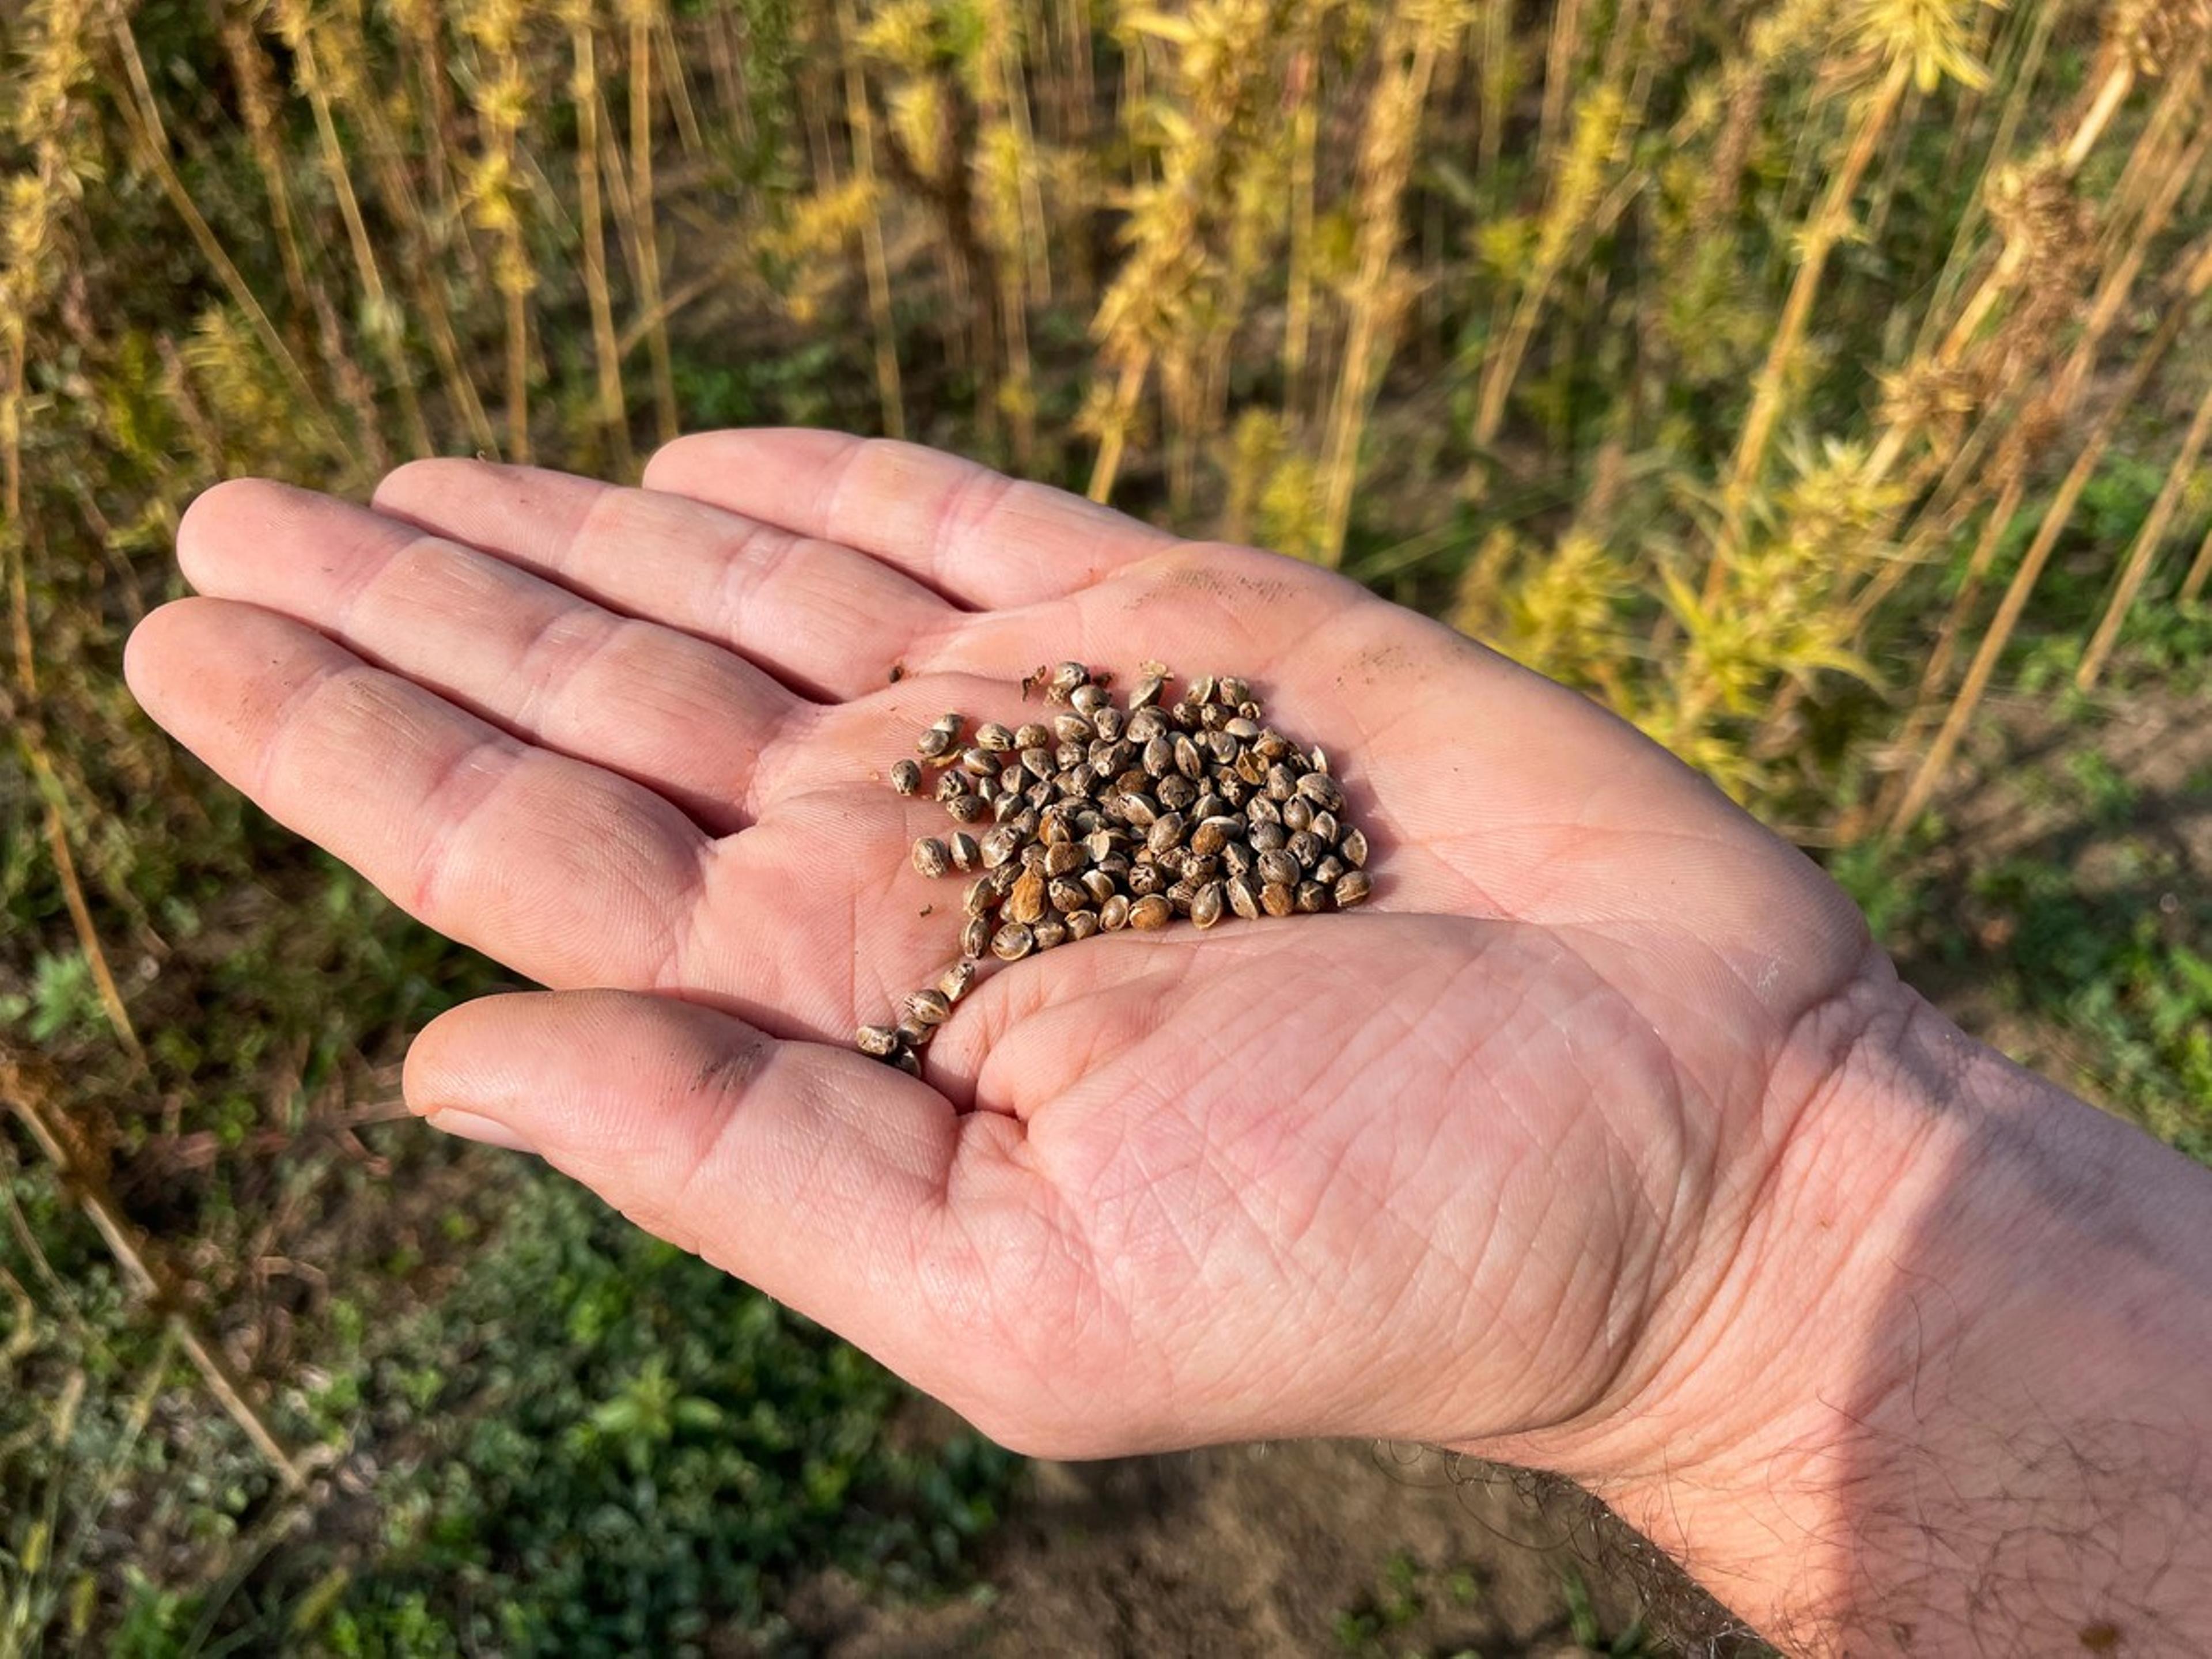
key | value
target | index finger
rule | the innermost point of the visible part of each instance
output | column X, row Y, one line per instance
column 979, row 538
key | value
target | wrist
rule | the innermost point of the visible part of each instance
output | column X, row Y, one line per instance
column 1948, row 1373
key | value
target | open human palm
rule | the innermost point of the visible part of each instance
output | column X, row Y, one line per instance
column 1469, row 1165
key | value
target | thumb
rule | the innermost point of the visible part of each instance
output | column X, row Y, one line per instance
column 817, row 1174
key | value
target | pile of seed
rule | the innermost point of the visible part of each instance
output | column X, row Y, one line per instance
column 1110, row 818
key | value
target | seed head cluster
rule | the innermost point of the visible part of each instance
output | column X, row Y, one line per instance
column 1111, row 817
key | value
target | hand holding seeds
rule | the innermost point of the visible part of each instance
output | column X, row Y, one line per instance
column 1543, row 1151
column 1167, row 806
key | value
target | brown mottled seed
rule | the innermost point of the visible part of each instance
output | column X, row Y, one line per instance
column 1243, row 897
column 907, row 1061
column 968, row 809
column 977, row 897
column 1027, row 901
column 975, row 936
column 1318, row 762
column 999, row 845
column 1064, row 858
column 929, row 1006
column 1050, row 932
column 877, row 1040
column 1068, row 896
column 1266, row 838
column 1065, row 678
column 1114, row 914
column 1098, row 884
column 1033, row 856
column 1312, row 896
column 1212, row 717
column 1278, row 869
column 1354, row 846
column 1242, row 730
column 1004, row 877
column 1145, row 879
column 1307, row 849
column 966, row 854
column 1222, row 749
column 1144, row 725
column 1213, row 835
column 1233, row 691
column 1351, row 888
column 1297, row 814
column 1177, row 792
column 1282, row 783
column 1081, row 924
column 950, row 787
column 1237, row 858
column 906, row 776
column 1037, row 761
column 1087, row 699
column 933, row 743
column 1150, row 913
column 1322, row 791
column 913, row 1033
column 1277, row 900
column 952, row 984
column 1158, row 757
column 1188, row 760
column 1012, row 942
column 1201, row 690
column 1146, row 692
column 1108, row 722
column 993, row 738
column 1166, row 832
column 1325, row 828
column 931, row 856
column 1032, row 734
column 1206, row 905
column 978, row 762
column 1071, row 728
column 1328, row 869
column 1138, row 809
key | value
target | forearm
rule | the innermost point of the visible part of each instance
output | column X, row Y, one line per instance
column 1978, row 1414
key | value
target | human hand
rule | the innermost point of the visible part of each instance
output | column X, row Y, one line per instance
column 1483, row 1164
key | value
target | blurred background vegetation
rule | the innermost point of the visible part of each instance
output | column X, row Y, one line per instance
column 1823, row 384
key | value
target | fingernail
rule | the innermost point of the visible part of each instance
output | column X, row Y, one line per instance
column 472, row 1125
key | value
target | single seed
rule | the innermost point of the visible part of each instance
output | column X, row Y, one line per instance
column 1159, row 755
column 1145, row 879
column 966, row 854
column 877, row 1040
column 1081, row 924
column 1307, row 849
column 1312, row 896
column 1099, row 885
column 1354, row 846
column 993, row 737
column 1050, row 932
column 1278, row 868
column 1237, row 858
column 907, row 1061
column 1322, row 790
column 950, row 787
column 1114, row 914
column 999, row 845
column 1213, row 835
column 1008, row 805
column 1064, row 858
column 929, row 1006
column 1068, row 896
column 1328, row 869
column 1108, row 722
column 977, row 897
column 1150, row 913
column 954, row 982
column 1032, row 734
column 1277, row 900
column 1243, row 897
column 1033, row 855
column 1166, row 832
column 1266, row 838
column 1071, row 728
column 912, row 1032
column 968, row 809
column 1144, row 725
column 1065, row 678
column 1012, row 942
column 1088, row 699
column 1353, row 888
column 1297, row 814
column 1027, row 901
column 1177, row 792
column 1201, row 690
column 1319, row 760
column 1222, row 748
column 1242, row 730
column 931, row 856
column 1187, row 759
column 975, row 936
column 1233, row 691
column 932, row 742
column 1146, row 692
column 906, row 776
column 1206, row 905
